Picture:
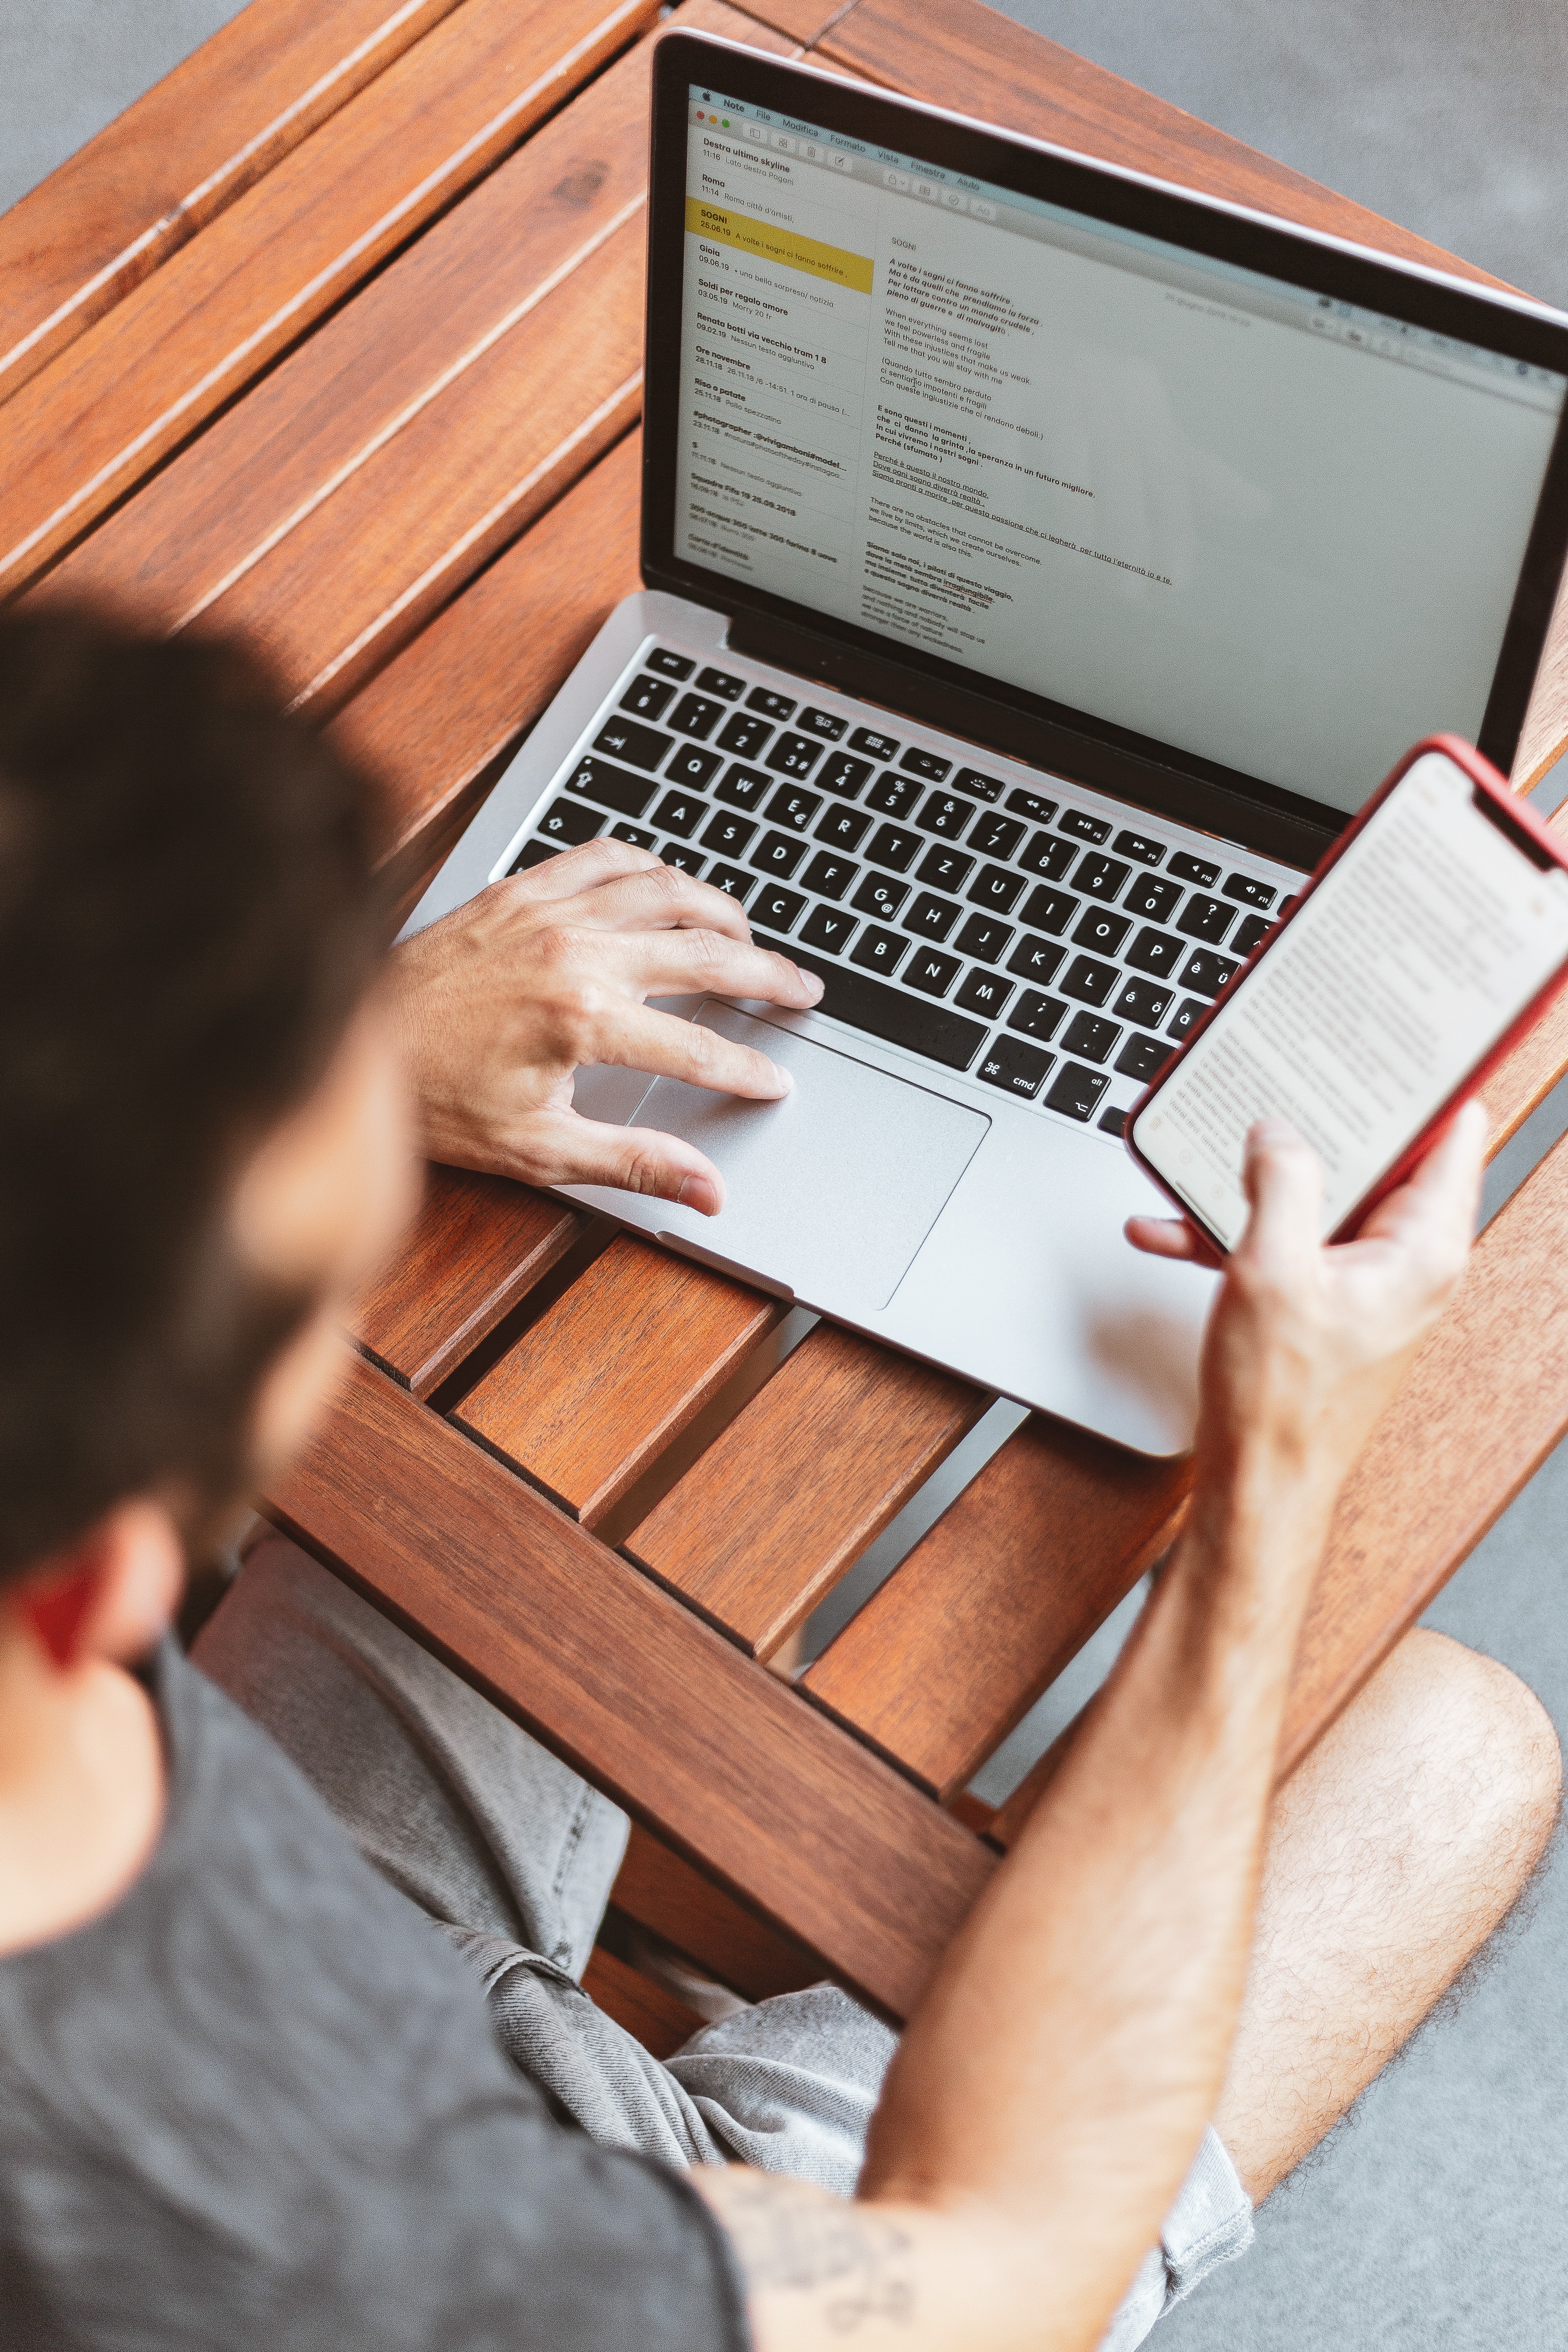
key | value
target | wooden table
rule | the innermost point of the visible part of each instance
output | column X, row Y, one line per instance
column 336, row 338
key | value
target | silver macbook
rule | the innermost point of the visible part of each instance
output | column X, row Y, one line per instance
column 1043, row 564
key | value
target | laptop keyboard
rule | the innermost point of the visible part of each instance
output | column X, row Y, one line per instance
column 1024, row 936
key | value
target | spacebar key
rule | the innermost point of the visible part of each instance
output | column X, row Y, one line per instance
column 886, row 1012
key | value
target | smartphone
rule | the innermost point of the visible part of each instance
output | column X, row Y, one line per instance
column 1434, row 933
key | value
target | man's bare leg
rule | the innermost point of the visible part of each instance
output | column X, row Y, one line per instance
column 1395, row 1850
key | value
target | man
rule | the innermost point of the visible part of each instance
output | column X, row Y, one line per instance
column 255, row 2091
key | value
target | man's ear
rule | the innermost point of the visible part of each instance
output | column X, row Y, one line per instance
column 113, row 1594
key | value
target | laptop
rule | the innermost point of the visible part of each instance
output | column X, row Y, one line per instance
column 1043, row 564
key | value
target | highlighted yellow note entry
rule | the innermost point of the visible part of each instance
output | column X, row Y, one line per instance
column 765, row 243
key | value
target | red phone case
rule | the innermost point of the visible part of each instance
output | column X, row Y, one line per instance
column 1522, row 819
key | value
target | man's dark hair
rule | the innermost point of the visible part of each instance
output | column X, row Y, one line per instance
column 186, row 926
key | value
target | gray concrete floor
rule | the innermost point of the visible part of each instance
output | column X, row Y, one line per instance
column 1434, row 2219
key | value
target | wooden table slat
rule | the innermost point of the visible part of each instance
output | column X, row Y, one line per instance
column 666, row 1895
column 790, row 1814
column 801, row 1482
column 614, row 1370
column 1034, row 1554
column 115, row 211
column 144, row 379
column 650, row 2012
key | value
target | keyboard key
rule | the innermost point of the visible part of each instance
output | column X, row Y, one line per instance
column 1141, row 1001
column 721, row 682
column 745, row 787
column 880, row 950
column 1090, row 1034
column 778, row 853
column 1142, row 1058
column 986, row 993
column 929, row 764
column 675, row 853
column 829, row 928
column 1287, row 907
column 945, row 868
column 1156, row 951
column 672, row 665
column 893, row 847
column 1035, row 958
column 1017, row 1069
column 729, row 834
column 1102, row 878
column 1206, row 919
column 743, row 734
column 645, row 747
column 945, row 814
column 696, row 714
column 646, row 696
column 1239, row 886
column 1050, row 855
column 1155, row 901
column 931, row 972
column 1077, row 1091
column 845, row 828
column 975, row 781
column 793, row 755
column 634, row 833
column 1031, row 804
column 1036, row 1015
column 1085, row 827
column 1102, row 929
column 1089, row 981
column 534, row 854
column 1051, row 911
column 792, row 808
column 878, row 895
column 826, row 723
column 612, row 788
column 997, row 835
column 1137, row 846
column 732, row 882
column 984, row 937
column 828, row 875
column 998, row 888
column 1206, row 972
column 931, row 917
column 893, row 796
column 880, row 746
column 690, row 764
column 843, row 775
column 936, row 1031
column 771, row 705
column 569, row 822
column 1256, row 928
column 680, row 813
column 1112, row 1122
column 1191, row 1009
column 1196, row 870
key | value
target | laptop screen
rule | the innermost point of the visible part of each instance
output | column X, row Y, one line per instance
column 1218, row 510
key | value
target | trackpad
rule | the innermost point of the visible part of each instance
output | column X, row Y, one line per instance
column 831, row 1190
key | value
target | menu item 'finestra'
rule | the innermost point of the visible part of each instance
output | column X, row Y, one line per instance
column 1396, row 978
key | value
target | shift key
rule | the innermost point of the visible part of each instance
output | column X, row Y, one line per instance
column 612, row 788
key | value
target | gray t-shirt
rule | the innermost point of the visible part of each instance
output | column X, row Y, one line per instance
column 258, row 2103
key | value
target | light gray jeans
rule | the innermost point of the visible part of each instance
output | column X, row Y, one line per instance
column 513, row 1856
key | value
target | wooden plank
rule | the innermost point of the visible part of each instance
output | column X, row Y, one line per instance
column 429, row 724
column 801, row 21
column 1545, row 736
column 1486, row 1402
column 96, row 420
column 478, row 1247
column 649, row 2012
column 616, row 1369
column 664, row 1895
column 792, row 1815
column 989, row 1607
column 77, row 244
column 801, row 1482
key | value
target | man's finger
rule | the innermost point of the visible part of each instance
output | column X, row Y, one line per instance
column 1166, row 1237
column 637, row 1038
column 564, row 1148
column 677, row 963
column 1283, row 1178
column 658, row 898
column 572, row 871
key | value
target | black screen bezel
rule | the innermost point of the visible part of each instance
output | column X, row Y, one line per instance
column 1180, row 217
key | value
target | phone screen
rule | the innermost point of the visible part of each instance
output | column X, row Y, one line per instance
column 1426, row 939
